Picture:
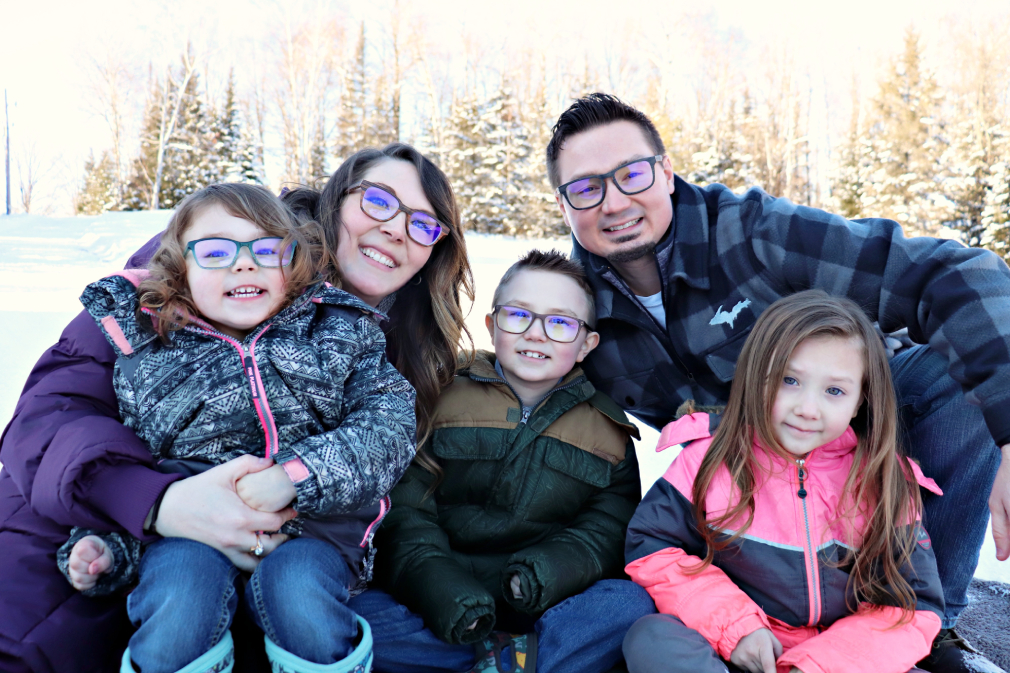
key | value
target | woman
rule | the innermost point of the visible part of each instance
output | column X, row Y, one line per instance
column 69, row 461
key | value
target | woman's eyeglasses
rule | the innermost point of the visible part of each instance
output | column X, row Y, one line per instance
column 381, row 205
column 221, row 253
column 630, row 178
column 561, row 328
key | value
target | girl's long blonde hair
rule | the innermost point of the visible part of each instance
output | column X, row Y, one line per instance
column 880, row 484
column 166, row 290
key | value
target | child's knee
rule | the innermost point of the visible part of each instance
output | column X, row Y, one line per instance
column 664, row 643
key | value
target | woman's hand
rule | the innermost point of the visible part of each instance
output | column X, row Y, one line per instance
column 206, row 508
column 89, row 558
column 268, row 490
column 757, row 652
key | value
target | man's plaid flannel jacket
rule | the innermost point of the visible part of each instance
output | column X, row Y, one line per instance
column 727, row 257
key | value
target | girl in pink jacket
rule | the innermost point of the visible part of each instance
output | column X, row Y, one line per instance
column 789, row 540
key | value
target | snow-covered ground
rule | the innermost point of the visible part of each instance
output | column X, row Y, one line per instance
column 47, row 262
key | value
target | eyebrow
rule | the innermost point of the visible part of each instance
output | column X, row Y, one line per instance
column 792, row 370
column 634, row 157
column 551, row 311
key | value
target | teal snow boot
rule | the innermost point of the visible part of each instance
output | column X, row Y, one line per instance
column 358, row 661
column 218, row 659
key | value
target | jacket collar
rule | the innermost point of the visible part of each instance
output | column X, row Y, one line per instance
column 483, row 369
column 823, row 454
column 320, row 293
column 682, row 253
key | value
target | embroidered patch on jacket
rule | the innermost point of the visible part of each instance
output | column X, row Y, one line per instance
column 728, row 317
column 922, row 538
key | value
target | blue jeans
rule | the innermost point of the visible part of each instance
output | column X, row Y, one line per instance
column 949, row 439
column 580, row 634
column 188, row 595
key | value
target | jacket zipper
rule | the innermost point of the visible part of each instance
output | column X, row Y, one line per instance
column 809, row 553
column 527, row 411
column 252, row 373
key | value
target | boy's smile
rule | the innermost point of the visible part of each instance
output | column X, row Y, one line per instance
column 532, row 362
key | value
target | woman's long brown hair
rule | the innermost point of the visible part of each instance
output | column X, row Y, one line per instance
column 166, row 290
column 426, row 321
column 880, row 484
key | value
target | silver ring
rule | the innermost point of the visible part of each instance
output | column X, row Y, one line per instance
column 258, row 549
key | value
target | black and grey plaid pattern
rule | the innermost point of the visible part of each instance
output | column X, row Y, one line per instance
column 727, row 257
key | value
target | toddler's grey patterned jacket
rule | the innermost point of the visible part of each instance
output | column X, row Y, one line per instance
column 311, row 387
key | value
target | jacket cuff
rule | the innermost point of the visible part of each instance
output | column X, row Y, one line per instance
column 126, row 494
column 308, row 497
column 531, row 588
column 998, row 421
column 732, row 636
column 483, row 615
column 803, row 662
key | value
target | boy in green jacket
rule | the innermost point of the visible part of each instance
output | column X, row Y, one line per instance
column 517, row 522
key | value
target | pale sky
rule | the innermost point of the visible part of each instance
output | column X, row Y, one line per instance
column 45, row 46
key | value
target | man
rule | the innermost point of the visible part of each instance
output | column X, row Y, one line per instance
column 681, row 273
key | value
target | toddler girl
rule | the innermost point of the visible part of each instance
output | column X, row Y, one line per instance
column 789, row 541
column 228, row 345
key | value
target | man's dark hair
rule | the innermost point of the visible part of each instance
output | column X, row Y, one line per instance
column 590, row 111
column 551, row 261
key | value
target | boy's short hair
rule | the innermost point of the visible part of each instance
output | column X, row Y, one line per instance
column 588, row 112
column 551, row 261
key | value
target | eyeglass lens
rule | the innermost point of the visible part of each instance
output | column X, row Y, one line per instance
column 558, row 328
column 631, row 179
column 221, row 253
column 382, row 206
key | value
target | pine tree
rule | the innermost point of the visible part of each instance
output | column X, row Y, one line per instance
column 237, row 158
column 462, row 135
column 317, row 155
column 137, row 191
column 849, row 174
column 352, row 124
column 540, row 212
column 194, row 159
column 190, row 160
column 905, row 144
column 995, row 214
column 100, row 191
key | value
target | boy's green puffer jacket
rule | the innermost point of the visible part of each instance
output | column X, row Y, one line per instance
column 548, row 499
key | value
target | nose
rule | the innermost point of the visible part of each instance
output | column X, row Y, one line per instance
column 244, row 261
column 806, row 405
column 396, row 228
column 536, row 332
column 614, row 201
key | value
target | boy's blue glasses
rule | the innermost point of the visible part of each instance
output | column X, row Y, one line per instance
column 561, row 328
column 222, row 253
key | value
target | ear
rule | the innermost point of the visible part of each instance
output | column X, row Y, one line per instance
column 591, row 342
column 561, row 205
column 489, row 323
column 668, row 173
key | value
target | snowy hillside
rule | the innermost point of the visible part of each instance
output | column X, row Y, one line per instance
column 48, row 261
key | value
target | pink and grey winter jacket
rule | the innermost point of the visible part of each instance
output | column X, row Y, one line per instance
column 311, row 388
column 783, row 574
